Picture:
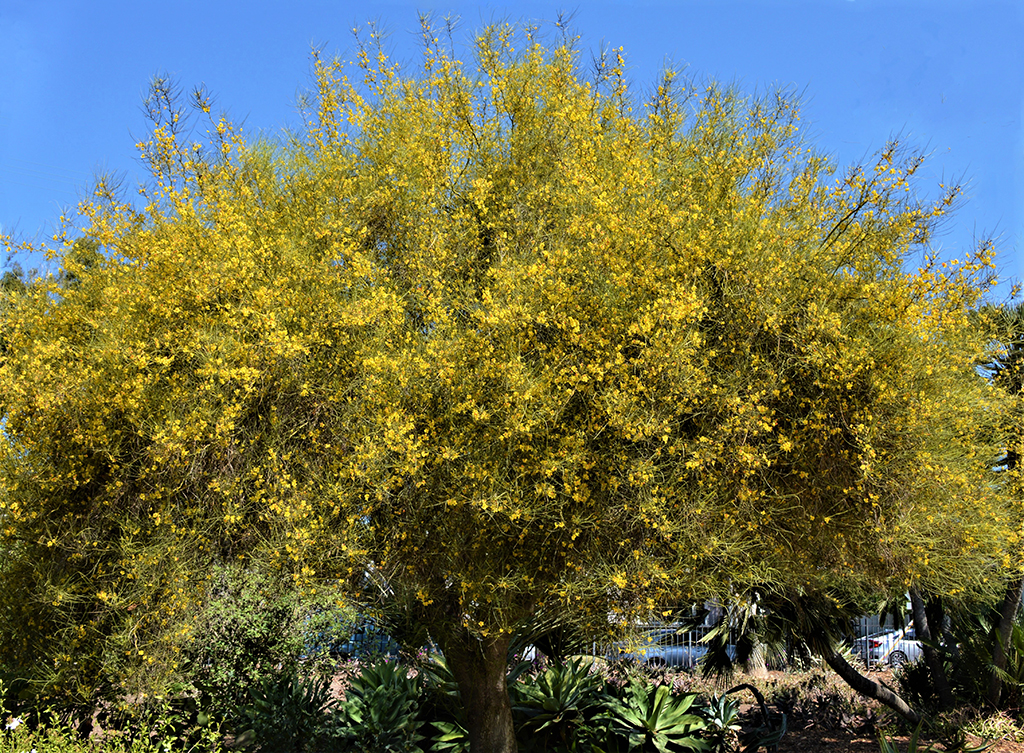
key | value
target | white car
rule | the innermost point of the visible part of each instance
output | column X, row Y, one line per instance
column 892, row 647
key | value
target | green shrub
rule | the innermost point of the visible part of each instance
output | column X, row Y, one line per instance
column 974, row 635
column 559, row 707
column 161, row 729
column 173, row 721
column 653, row 719
column 286, row 712
column 254, row 632
column 245, row 637
column 380, row 713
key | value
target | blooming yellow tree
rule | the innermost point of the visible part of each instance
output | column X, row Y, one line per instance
column 513, row 341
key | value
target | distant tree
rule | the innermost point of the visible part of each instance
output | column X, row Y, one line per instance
column 506, row 343
column 13, row 279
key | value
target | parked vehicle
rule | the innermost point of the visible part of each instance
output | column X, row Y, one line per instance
column 664, row 647
column 889, row 647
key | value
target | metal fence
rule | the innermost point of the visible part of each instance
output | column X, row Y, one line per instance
column 876, row 645
column 662, row 645
column 672, row 645
column 884, row 644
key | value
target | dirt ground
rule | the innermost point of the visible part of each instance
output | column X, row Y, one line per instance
column 844, row 741
column 811, row 736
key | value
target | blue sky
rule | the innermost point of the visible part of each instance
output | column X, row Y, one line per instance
column 946, row 75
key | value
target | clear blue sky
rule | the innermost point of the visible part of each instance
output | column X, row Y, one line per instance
column 946, row 74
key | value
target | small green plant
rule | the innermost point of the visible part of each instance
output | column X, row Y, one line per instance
column 173, row 721
column 558, row 705
column 285, row 712
column 380, row 713
column 655, row 720
column 722, row 716
column 996, row 726
column 57, row 736
column 767, row 737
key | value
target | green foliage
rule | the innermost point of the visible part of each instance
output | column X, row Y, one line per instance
column 973, row 631
column 245, row 634
column 998, row 725
column 380, row 713
column 160, row 725
column 767, row 736
column 556, row 708
column 654, row 719
column 171, row 722
column 451, row 737
column 722, row 716
column 915, row 686
column 64, row 739
column 13, row 279
column 286, row 712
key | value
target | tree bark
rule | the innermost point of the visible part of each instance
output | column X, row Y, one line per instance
column 480, row 668
column 870, row 688
column 1004, row 633
column 931, row 656
column 755, row 664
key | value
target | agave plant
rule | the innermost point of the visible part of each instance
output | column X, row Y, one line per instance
column 722, row 716
column 285, row 711
column 560, row 693
column 380, row 711
column 654, row 719
column 559, row 702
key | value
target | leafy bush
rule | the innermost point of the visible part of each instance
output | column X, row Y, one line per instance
column 160, row 726
column 173, row 721
column 559, row 706
column 286, row 712
column 244, row 638
column 325, row 627
column 651, row 718
column 380, row 713
column 974, row 635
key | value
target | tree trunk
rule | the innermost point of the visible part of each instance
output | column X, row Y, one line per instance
column 931, row 656
column 755, row 664
column 480, row 668
column 870, row 688
column 1004, row 633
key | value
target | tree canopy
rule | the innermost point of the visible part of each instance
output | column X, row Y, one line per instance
column 508, row 337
